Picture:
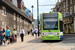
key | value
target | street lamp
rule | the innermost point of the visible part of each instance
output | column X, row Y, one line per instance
column 32, row 9
column 32, row 15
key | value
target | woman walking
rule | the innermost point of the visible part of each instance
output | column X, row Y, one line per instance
column 22, row 33
column 8, row 33
column 15, row 33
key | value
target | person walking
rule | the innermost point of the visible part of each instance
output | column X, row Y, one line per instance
column 15, row 33
column 28, row 32
column 2, row 33
column 8, row 33
column 31, row 31
column 22, row 33
column 35, row 31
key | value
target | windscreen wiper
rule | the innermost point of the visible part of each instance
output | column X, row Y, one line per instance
column 49, row 30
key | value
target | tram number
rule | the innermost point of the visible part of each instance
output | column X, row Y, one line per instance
column 50, row 33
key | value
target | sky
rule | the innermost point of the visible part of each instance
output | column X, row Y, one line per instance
column 46, row 9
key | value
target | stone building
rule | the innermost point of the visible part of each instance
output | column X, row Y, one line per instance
column 13, row 15
column 67, row 8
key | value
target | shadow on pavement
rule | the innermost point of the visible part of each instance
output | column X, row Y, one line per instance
column 66, row 40
column 38, row 40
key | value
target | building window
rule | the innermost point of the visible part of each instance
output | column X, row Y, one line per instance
column 66, row 2
column 66, row 9
column 74, row 8
column 14, row 16
column 70, row 1
column 70, row 10
column 3, row 10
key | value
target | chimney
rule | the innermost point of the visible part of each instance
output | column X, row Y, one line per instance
column 19, row 3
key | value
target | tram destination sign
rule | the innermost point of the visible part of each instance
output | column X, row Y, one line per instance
column 50, row 15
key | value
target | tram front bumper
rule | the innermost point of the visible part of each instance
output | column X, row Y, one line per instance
column 50, row 37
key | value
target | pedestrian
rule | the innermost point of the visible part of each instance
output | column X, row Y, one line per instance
column 2, row 33
column 22, row 33
column 31, row 32
column 28, row 32
column 15, row 32
column 35, row 31
column 8, row 35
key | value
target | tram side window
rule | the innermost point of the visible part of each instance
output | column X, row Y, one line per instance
column 61, row 26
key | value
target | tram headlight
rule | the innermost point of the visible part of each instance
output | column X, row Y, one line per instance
column 57, row 33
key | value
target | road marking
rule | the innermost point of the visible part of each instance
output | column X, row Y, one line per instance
column 24, row 46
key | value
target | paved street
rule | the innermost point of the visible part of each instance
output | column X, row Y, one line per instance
column 32, row 43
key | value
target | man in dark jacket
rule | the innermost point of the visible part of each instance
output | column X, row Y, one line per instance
column 2, row 33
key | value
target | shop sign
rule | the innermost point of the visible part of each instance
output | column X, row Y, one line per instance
column 68, row 20
column 67, row 14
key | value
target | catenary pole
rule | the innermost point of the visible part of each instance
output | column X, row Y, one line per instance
column 38, row 16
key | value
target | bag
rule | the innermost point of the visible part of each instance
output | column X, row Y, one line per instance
column 14, row 38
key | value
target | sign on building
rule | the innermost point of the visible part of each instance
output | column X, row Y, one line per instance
column 67, row 14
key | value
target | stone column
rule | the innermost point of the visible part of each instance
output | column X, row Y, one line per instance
column 74, row 24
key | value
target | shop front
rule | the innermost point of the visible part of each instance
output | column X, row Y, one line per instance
column 68, row 25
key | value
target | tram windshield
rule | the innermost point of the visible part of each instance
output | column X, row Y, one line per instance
column 50, row 21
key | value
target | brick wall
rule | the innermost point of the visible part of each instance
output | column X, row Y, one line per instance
column 9, row 21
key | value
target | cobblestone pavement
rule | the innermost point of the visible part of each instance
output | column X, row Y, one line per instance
column 32, row 43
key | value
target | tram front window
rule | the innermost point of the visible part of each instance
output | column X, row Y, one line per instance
column 50, row 21
column 50, row 25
